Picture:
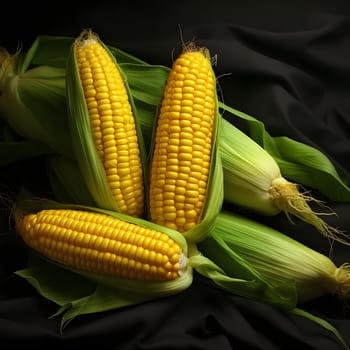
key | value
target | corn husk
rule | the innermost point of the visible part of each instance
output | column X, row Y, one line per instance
column 14, row 149
column 256, row 261
column 65, row 181
column 277, row 258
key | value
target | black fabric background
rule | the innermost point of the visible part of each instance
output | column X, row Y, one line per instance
column 285, row 65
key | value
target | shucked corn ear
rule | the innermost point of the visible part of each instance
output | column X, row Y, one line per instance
column 253, row 180
column 107, row 139
column 184, row 155
column 104, row 244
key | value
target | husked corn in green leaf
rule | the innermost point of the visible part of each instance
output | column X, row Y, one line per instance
column 182, row 152
column 253, row 180
column 112, row 123
column 99, row 243
column 273, row 257
column 250, row 259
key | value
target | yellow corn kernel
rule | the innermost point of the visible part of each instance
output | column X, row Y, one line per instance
column 184, row 139
column 113, row 124
column 99, row 243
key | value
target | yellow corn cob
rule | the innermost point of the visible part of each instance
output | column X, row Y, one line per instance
column 183, row 142
column 112, row 122
column 99, row 243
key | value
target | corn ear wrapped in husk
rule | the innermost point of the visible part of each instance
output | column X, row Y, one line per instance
column 32, row 101
column 253, row 180
column 253, row 260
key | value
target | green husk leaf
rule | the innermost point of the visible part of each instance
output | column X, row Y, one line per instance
column 79, row 295
column 55, row 283
column 146, row 82
column 75, row 294
column 238, row 276
column 124, row 57
column 42, row 90
column 17, row 151
column 145, row 114
column 102, row 299
column 50, row 50
column 323, row 323
column 46, row 50
column 311, row 168
column 65, row 181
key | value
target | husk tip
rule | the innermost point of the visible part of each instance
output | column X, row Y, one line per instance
column 343, row 281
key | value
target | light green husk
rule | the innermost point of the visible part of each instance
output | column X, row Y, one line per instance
column 253, row 180
column 256, row 261
column 65, row 181
column 275, row 257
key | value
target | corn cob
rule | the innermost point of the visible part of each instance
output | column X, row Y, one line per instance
column 183, row 142
column 99, row 243
column 110, row 115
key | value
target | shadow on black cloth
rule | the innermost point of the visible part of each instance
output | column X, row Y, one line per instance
column 288, row 67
